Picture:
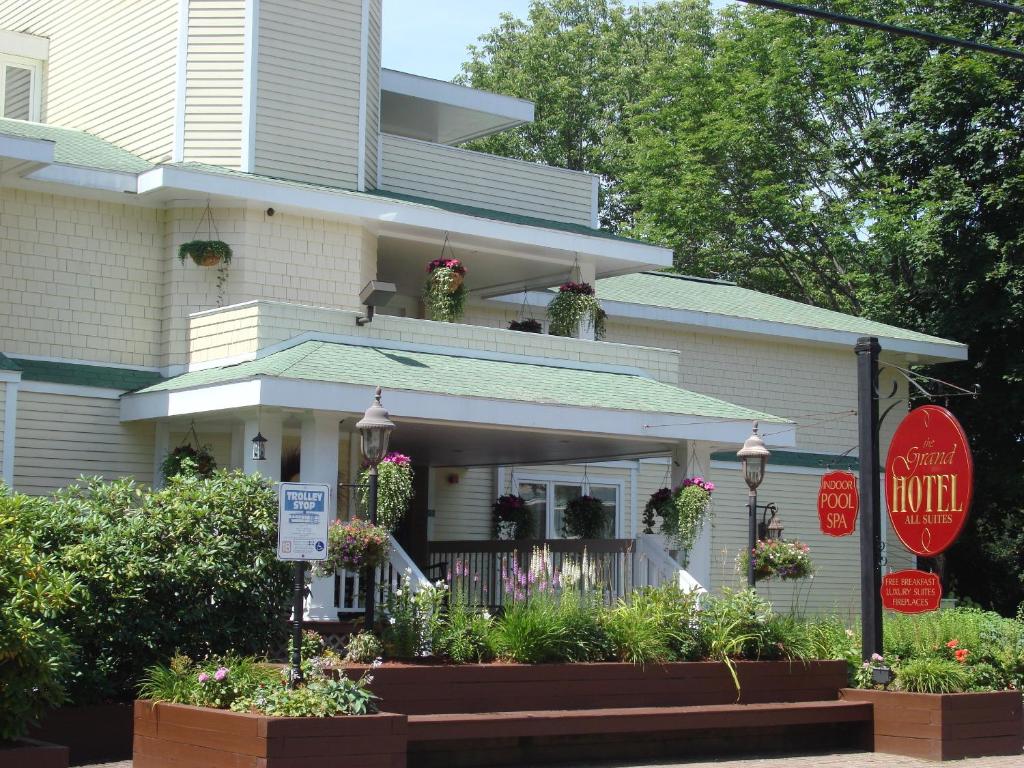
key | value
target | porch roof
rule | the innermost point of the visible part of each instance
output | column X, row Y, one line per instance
column 457, row 389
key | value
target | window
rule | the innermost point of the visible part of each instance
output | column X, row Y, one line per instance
column 20, row 88
column 546, row 498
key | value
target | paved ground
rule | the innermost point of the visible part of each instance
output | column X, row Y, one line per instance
column 840, row 760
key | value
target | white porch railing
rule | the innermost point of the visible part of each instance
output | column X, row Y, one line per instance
column 652, row 567
column 339, row 595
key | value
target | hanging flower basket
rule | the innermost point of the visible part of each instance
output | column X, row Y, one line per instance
column 575, row 305
column 353, row 545
column 394, row 489
column 660, row 504
column 779, row 559
column 444, row 293
column 198, row 461
column 585, row 517
column 512, row 519
column 683, row 519
column 205, row 253
column 528, row 325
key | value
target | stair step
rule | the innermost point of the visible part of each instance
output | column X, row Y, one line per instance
column 562, row 722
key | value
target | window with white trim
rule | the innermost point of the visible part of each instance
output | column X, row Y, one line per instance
column 546, row 497
column 20, row 87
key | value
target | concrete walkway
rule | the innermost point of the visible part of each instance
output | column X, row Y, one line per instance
column 839, row 760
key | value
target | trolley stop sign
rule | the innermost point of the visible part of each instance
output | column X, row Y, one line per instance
column 911, row 591
column 302, row 520
column 838, row 503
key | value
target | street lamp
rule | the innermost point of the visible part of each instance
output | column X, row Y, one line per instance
column 374, row 433
column 753, row 458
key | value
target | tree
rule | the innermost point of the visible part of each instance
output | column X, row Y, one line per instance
column 825, row 163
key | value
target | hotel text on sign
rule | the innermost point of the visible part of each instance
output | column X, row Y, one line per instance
column 928, row 480
column 911, row 591
column 302, row 521
column 838, row 503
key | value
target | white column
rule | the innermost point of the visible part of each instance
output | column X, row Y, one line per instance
column 588, row 274
column 10, row 425
column 161, row 447
column 319, row 449
column 238, row 445
column 700, row 558
column 680, row 459
column 269, row 425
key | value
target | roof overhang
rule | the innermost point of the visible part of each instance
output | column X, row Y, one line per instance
column 445, row 113
column 20, row 156
column 457, row 430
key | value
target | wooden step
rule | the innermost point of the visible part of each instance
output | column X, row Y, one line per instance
column 560, row 722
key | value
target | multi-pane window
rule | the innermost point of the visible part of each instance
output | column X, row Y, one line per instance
column 546, row 500
column 19, row 88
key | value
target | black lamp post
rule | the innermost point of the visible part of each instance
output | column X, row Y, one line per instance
column 374, row 432
column 753, row 457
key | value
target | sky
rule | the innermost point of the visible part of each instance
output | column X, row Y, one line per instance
column 430, row 38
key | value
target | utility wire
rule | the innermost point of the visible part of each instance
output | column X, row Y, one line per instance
column 998, row 6
column 842, row 18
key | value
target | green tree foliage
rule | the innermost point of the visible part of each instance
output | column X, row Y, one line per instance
column 35, row 656
column 188, row 568
column 829, row 164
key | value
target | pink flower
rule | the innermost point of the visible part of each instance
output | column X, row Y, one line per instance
column 203, row 677
column 220, row 674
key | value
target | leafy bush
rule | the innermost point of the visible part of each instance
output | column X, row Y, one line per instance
column 465, row 635
column 190, row 567
column 413, row 624
column 244, row 684
column 530, row 632
column 362, row 648
column 655, row 625
column 932, row 675
column 35, row 656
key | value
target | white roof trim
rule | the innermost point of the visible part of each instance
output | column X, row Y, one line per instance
column 388, row 211
column 435, row 407
column 514, row 110
column 28, row 154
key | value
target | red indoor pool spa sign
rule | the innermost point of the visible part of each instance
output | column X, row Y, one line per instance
column 929, row 478
column 838, row 503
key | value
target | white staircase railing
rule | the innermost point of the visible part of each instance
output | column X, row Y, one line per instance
column 340, row 595
column 652, row 567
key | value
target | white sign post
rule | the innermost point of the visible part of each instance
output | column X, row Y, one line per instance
column 303, row 516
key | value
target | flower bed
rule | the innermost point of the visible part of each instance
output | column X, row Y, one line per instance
column 944, row 726
column 173, row 735
column 37, row 754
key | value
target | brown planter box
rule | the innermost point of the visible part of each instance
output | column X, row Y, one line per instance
column 94, row 734
column 29, row 752
column 945, row 726
column 176, row 736
column 424, row 689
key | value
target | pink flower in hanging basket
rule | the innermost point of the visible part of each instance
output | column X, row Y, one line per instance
column 584, row 289
column 453, row 264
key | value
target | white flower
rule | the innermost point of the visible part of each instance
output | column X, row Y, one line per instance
column 487, row 616
column 439, row 584
column 377, row 662
column 391, row 619
column 398, row 593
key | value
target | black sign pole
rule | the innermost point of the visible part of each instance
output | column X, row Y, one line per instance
column 867, row 349
column 299, row 590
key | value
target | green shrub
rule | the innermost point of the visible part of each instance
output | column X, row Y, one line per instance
column 362, row 648
column 656, row 625
column 413, row 624
column 830, row 638
column 530, row 632
column 35, row 656
column 932, row 675
column 189, row 568
column 465, row 634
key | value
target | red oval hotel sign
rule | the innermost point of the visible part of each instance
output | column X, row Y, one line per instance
column 929, row 478
column 837, row 503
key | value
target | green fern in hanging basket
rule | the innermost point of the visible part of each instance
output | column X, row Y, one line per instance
column 528, row 325
column 205, row 253
column 444, row 293
column 585, row 517
column 573, row 305
column 188, row 460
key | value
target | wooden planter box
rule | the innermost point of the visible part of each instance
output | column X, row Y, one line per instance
column 415, row 689
column 945, row 726
column 29, row 752
column 175, row 736
column 94, row 734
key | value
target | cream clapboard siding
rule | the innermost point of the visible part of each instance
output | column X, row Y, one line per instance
column 80, row 279
column 215, row 81
column 372, row 127
column 61, row 437
column 111, row 68
column 462, row 510
column 440, row 172
column 307, row 90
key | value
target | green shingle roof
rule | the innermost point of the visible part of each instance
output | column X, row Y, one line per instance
column 469, row 377
column 6, row 364
column 82, row 375
column 799, row 459
column 468, row 210
column 77, row 147
column 661, row 289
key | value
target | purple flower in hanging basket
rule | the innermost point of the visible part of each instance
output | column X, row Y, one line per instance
column 584, row 289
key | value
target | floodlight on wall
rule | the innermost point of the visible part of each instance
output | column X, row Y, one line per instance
column 374, row 294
